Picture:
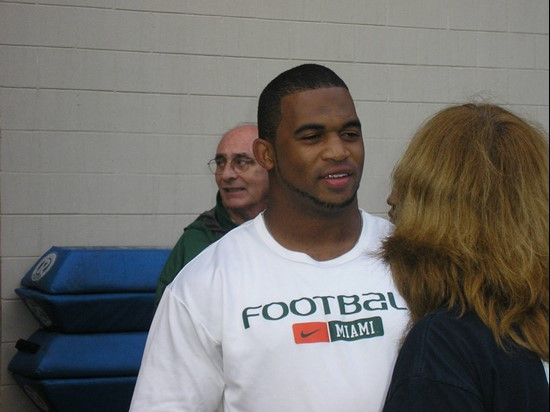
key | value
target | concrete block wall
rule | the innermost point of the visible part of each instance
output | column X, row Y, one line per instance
column 110, row 109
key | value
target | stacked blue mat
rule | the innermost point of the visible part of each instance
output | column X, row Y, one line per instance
column 95, row 306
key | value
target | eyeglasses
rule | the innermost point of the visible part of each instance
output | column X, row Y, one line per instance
column 239, row 164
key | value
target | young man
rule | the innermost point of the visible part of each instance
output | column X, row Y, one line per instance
column 242, row 194
column 290, row 311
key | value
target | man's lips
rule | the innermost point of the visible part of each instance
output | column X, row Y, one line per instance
column 337, row 172
column 232, row 189
column 336, row 175
column 337, row 178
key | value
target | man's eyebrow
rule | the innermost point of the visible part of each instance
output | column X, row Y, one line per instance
column 243, row 154
column 233, row 156
column 314, row 126
column 310, row 126
column 352, row 123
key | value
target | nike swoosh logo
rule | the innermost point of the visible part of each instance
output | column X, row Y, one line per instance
column 306, row 335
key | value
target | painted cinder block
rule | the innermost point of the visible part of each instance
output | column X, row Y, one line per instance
column 107, row 153
column 240, row 37
column 525, row 55
column 527, row 16
column 76, row 69
column 36, row 25
column 18, row 108
column 372, row 12
column 478, row 84
column 408, row 84
column 18, row 66
column 113, row 29
column 321, row 41
column 220, row 75
column 366, row 82
column 419, row 14
column 373, row 194
column 528, row 87
column 374, row 44
column 174, row 6
column 12, row 268
column 17, row 321
column 492, row 49
column 541, row 52
column 185, row 34
column 69, row 110
column 446, row 48
column 106, row 193
column 487, row 15
column 30, row 235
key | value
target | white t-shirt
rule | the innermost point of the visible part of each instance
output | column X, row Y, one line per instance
column 251, row 326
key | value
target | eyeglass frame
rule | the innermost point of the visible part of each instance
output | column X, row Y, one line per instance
column 216, row 169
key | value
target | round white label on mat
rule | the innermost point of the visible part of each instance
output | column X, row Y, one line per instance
column 43, row 267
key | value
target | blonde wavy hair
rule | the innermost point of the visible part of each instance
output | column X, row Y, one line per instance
column 471, row 222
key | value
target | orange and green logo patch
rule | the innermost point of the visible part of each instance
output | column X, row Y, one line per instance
column 315, row 332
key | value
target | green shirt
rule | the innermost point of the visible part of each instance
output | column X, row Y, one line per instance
column 205, row 230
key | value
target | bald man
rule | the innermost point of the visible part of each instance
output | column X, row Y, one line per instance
column 242, row 194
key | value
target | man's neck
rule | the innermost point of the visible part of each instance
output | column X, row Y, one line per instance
column 240, row 216
column 323, row 236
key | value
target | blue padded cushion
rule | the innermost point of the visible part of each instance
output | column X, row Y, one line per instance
column 66, row 270
column 112, row 394
column 80, row 355
column 93, row 312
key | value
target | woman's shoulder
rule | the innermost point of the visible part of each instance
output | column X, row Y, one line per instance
column 446, row 342
column 450, row 323
column 459, row 351
column 446, row 339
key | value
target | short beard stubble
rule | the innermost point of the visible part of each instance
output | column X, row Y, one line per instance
column 325, row 206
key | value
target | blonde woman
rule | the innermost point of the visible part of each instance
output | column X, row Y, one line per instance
column 469, row 254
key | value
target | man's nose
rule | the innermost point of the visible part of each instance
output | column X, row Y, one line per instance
column 228, row 172
column 336, row 148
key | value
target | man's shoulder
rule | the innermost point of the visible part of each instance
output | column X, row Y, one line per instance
column 236, row 236
column 221, row 255
column 377, row 222
column 208, row 222
column 201, row 220
column 239, row 238
column 374, row 230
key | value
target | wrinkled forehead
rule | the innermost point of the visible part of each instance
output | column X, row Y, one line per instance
column 237, row 142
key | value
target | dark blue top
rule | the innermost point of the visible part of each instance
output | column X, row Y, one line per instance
column 454, row 364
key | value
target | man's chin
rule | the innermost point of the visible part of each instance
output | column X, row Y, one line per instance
column 336, row 205
column 330, row 204
column 326, row 202
column 235, row 202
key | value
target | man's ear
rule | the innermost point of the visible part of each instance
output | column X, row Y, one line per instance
column 264, row 153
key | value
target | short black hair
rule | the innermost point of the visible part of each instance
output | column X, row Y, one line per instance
column 300, row 78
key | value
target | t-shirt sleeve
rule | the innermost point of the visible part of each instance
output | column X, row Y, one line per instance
column 190, row 244
column 181, row 366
